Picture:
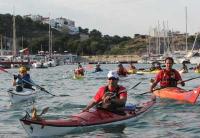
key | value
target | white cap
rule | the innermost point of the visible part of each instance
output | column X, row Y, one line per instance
column 113, row 73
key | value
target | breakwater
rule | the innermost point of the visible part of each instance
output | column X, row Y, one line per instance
column 110, row 58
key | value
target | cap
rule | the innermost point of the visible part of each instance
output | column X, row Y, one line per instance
column 113, row 74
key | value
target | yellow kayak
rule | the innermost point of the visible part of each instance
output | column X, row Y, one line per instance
column 148, row 72
column 132, row 71
column 197, row 70
column 78, row 77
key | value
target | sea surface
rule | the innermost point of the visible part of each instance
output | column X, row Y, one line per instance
column 167, row 119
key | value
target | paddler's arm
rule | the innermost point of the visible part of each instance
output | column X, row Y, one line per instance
column 153, row 86
column 90, row 105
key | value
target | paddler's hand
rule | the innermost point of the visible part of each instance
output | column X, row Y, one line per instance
column 15, row 77
column 182, row 83
column 42, row 89
column 107, row 99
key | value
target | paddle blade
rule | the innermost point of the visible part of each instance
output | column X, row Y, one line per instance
column 44, row 111
column 2, row 69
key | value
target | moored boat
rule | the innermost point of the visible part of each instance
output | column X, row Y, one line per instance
column 25, row 94
column 84, row 120
column 177, row 93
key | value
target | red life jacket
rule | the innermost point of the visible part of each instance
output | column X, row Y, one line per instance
column 168, row 78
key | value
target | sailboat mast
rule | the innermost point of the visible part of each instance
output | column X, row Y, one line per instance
column 14, row 38
column 186, row 35
column 1, row 46
column 50, row 47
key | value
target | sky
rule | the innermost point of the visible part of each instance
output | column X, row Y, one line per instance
column 114, row 17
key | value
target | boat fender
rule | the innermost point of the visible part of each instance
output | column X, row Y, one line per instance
column 130, row 107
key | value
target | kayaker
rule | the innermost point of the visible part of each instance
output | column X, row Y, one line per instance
column 112, row 96
column 197, row 67
column 153, row 67
column 79, row 71
column 184, row 67
column 167, row 77
column 158, row 67
column 22, row 80
column 98, row 68
column 121, row 70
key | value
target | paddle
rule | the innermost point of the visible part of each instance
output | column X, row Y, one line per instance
column 41, row 88
column 44, row 111
column 178, row 83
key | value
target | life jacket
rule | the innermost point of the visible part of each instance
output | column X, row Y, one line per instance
column 113, row 107
column 114, row 94
column 23, row 84
column 168, row 78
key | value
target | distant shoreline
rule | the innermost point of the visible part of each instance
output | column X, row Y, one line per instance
column 110, row 58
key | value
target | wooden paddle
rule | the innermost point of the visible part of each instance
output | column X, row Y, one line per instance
column 41, row 88
column 178, row 83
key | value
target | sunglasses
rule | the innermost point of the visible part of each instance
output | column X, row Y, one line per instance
column 112, row 78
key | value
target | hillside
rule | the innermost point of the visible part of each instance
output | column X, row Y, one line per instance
column 36, row 37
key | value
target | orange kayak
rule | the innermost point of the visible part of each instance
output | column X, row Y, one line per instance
column 177, row 93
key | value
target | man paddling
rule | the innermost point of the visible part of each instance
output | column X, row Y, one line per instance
column 167, row 77
column 112, row 96
column 121, row 70
column 22, row 80
column 98, row 68
column 79, row 71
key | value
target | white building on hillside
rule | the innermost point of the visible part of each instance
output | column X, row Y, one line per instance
column 60, row 24
column 63, row 24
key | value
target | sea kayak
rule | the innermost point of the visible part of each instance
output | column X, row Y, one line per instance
column 197, row 70
column 177, row 93
column 78, row 77
column 131, row 71
column 148, row 72
column 25, row 94
column 82, row 121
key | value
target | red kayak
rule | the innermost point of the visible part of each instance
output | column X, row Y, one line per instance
column 177, row 93
column 83, row 120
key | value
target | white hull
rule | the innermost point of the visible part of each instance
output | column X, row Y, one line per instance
column 40, row 65
column 51, row 63
column 26, row 94
column 38, row 130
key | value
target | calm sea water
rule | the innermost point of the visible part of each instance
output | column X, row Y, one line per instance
column 166, row 119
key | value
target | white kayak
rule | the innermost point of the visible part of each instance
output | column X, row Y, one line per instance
column 25, row 94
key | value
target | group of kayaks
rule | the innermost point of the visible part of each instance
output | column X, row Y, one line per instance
column 95, row 117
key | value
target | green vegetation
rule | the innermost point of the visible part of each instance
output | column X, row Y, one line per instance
column 36, row 37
